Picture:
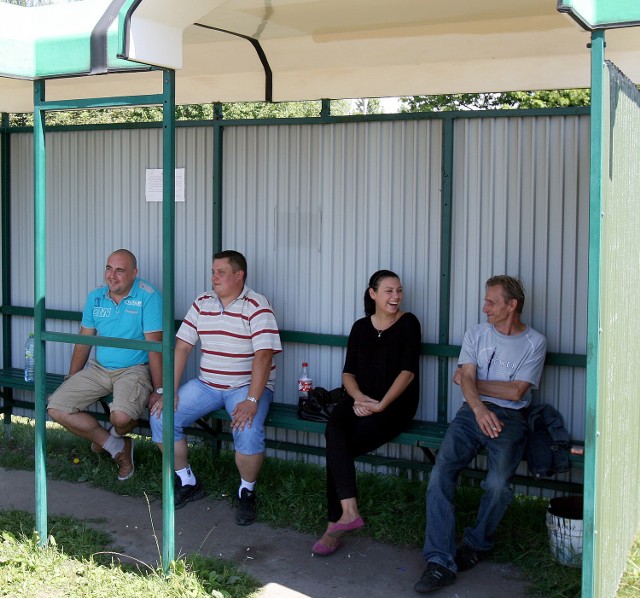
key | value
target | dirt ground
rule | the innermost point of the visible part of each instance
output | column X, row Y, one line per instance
column 281, row 559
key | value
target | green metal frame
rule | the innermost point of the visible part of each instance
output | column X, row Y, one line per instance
column 442, row 350
column 167, row 100
column 40, row 289
column 591, row 489
column 446, row 249
column 168, row 309
column 572, row 360
column 218, row 168
column 5, row 216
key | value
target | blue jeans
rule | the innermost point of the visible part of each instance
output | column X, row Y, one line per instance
column 461, row 444
column 197, row 399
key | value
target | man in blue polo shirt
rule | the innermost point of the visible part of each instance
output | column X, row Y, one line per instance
column 123, row 307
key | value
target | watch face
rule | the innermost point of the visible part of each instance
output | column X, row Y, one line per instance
column 159, row 391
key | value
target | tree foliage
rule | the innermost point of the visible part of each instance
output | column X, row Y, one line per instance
column 496, row 101
column 307, row 109
column 230, row 111
column 366, row 106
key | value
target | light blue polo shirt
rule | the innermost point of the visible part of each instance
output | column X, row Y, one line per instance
column 138, row 313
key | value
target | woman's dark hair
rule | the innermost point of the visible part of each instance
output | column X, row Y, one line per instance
column 374, row 283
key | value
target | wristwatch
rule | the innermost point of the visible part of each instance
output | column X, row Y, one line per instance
column 158, row 390
column 252, row 399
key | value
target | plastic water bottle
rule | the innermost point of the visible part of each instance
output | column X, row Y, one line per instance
column 29, row 361
column 304, row 382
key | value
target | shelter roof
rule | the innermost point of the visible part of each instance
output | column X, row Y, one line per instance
column 244, row 50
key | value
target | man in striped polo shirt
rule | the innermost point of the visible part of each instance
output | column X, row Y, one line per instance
column 239, row 337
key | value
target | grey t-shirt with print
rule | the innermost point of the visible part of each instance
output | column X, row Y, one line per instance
column 505, row 357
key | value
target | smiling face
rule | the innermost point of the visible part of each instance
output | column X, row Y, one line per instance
column 388, row 296
column 499, row 311
column 119, row 274
column 226, row 283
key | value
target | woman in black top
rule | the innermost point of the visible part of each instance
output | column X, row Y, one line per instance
column 381, row 378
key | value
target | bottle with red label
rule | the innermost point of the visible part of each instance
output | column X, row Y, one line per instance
column 304, row 382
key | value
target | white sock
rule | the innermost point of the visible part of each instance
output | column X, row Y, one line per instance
column 113, row 446
column 186, row 476
column 244, row 484
column 113, row 432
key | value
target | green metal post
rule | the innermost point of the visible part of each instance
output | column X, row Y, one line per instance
column 446, row 223
column 5, row 187
column 5, row 210
column 218, row 138
column 5, row 190
column 40, row 286
column 168, row 326
column 591, row 488
column 325, row 110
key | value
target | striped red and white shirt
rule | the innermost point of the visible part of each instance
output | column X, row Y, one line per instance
column 231, row 336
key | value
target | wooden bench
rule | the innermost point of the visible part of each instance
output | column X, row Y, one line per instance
column 421, row 434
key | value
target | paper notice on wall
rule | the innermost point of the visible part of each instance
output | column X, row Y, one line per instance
column 153, row 184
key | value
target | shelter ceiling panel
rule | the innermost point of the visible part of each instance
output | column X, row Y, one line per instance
column 350, row 48
column 58, row 40
column 600, row 14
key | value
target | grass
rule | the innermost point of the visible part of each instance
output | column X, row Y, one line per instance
column 76, row 563
column 394, row 506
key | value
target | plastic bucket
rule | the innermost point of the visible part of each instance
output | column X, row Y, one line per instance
column 564, row 525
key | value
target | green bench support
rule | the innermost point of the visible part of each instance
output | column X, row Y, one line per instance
column 421, row 434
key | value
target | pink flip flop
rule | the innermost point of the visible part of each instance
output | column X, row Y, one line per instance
column 320, row 549
column 338, row 530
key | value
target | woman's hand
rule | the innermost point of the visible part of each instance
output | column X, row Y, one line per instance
column 366, row 406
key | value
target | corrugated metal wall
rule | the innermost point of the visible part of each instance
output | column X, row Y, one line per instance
column 615, row 437
column 95, row 204
column 316, row 209
column 521, row 207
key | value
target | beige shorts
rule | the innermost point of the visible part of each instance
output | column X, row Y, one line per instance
column 130, row 388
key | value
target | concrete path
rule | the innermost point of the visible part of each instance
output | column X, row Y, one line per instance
column 281, row 559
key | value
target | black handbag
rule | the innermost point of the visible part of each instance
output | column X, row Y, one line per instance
column 319, row 404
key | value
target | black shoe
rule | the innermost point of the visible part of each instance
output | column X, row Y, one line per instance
column 435, row 576
column 467, row 557
column 246, row 511
column 183, row 494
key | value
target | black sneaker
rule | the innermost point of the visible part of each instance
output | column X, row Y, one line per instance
column 183, row 494
column 467, row 557
column 246, row 511
column 435, row 576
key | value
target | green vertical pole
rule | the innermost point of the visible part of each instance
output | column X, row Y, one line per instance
column 5, row 190
column 591, row 488
column 325, row 110
column 5, row 217
column 218, row 132
column 446, row 223
column 40, row 261
column 168, row 318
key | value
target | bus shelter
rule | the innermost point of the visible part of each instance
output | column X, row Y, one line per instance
column 101, row 53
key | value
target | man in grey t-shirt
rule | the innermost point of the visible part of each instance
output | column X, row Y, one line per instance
column 500, row 362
